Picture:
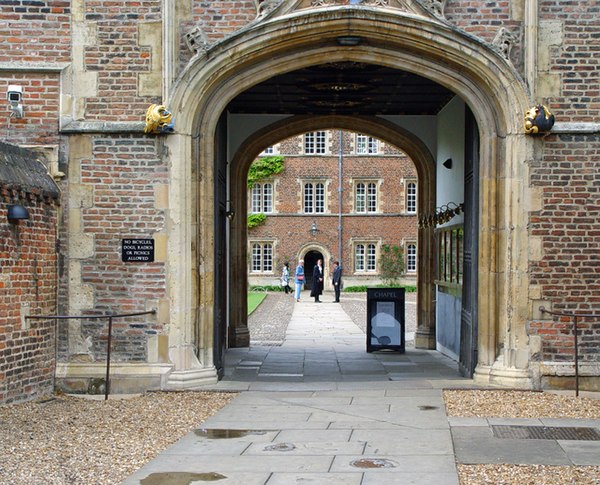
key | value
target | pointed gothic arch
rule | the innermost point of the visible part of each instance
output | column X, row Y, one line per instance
column 474, row 71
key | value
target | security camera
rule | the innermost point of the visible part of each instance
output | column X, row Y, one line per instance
column 15, row 94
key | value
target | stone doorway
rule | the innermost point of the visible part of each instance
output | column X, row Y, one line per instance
column 310, row 261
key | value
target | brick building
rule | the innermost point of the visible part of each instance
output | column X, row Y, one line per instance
column 378, row 195
column 448, row 82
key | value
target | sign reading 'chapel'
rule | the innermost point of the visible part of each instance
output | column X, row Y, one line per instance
column 137, row 250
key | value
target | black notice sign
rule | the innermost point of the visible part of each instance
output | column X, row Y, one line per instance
column 137, row 250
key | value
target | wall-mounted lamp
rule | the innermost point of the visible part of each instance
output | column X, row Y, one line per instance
column 16, row 213
column 348, row 40
column 229, row 213
column 448, row 163
column 314, row 229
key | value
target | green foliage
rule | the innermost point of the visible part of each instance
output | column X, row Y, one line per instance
column 255, row 299
column 391, row 262
column 256, row 220
column 264, row 167
column 363, row 288
column 266, row 288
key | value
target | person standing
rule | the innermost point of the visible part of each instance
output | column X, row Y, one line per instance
column 299, row 279
column 317, row 281
column 337, row 280
column 285, row 278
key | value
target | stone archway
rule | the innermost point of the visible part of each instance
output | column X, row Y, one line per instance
column 482, row 78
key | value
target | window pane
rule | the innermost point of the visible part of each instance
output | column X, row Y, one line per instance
column 320, row 198
column 411, row 197
column 308, row 198
column 361, row 144
column 372, row 198
column 269, row 150
column 371, row 261
column 256, row 266
column 360, row 197
column 309, row 142
column 320, row 142
column 256, row 198
column 268, row 198
column 373, row 145
column 359, row 257
column 268, row 257
column 411, row 258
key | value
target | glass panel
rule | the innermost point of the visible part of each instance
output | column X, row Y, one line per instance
column 308, row 198
column 256, row 252
column 411, row 197
column 256, row 198
column 360, row 197
column 268, row 257
column 361, row 144
column 268, row 198
column 411, row 260
column 371, row 260
column 309, row 143
column 320, row 142
column 359, row 257
column 372, row 198
column 320, row 198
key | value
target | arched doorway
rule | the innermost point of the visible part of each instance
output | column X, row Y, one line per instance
column 420, row 45
column 310, row 261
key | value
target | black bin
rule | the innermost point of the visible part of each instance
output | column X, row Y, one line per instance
column 385, row 319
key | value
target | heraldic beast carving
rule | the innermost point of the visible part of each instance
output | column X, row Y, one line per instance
column 538, row 120
column 159, row 120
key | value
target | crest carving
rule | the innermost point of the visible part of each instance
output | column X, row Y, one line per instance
column 538, row 120
column 196, row 40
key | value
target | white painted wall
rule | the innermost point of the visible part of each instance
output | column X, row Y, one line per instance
column 241, row 127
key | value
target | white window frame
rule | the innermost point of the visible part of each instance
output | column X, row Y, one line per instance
column 314, row 196
column 262, row 255
column 315, row 143
column 365, row 257
column 262, row 195
column 411, row 196
column 411, row 257
column 366, row 196
column 366, row 145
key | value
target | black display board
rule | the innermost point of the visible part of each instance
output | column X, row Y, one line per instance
column 137, row 250
column 385, row 319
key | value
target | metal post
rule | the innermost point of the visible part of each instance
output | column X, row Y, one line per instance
column 576, row 356
column 108, row 345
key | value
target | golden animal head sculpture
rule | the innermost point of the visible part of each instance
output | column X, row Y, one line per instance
column 159, row 120
column 538, row 120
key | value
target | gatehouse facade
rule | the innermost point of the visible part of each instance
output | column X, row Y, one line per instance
column 447, row 82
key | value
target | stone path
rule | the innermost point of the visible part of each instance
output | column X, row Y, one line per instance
column 320, row 409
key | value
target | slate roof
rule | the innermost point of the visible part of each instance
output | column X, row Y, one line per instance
column 23, row 168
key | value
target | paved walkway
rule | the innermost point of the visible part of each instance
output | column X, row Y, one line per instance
column 319, row 409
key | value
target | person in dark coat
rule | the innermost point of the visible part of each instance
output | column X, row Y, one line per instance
column 337, row 280
column 317, row 281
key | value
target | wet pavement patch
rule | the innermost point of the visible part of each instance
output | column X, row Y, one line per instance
column 373, row 463
column 224, row 434
column 180, row 478
column 546, row 433
column 280, row 447
column 428, row 408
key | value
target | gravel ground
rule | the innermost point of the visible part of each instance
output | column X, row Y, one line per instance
column 268, row 323
column 66, row 440
column 523, row 404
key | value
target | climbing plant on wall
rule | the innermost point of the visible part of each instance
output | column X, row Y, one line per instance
column 264, row 167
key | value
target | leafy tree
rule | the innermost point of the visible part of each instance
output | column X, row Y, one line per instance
column 391, row 262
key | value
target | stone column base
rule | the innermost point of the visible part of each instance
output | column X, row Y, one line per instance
column 425, row 339
column 241, row 337
column 497, row 375
column 188, row 379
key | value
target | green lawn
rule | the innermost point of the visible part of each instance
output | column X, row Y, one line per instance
column 254, row 299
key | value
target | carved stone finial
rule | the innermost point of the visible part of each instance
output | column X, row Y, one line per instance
column 538, row 120
column 504, row 41
column 437, row 7
column 263, row 7
column 159, row 120
column 196, row 40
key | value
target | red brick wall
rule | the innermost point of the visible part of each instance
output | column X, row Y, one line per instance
column 290, row 227
column 123, row 172
column 569, row 226
column 27, row 278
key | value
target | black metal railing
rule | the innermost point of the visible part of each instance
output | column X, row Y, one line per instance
column 110, row 318
column 575, row 317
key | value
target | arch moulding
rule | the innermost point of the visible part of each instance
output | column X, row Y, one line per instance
column 483, row 79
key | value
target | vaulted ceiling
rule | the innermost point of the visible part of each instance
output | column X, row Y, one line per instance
column 344, row 88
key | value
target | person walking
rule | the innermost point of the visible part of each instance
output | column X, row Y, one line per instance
column 317, row 281
column 285, row 278
column 299, row 279
column 337, row 280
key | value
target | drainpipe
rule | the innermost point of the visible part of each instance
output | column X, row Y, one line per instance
column 340, row 190
column 531, row 45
